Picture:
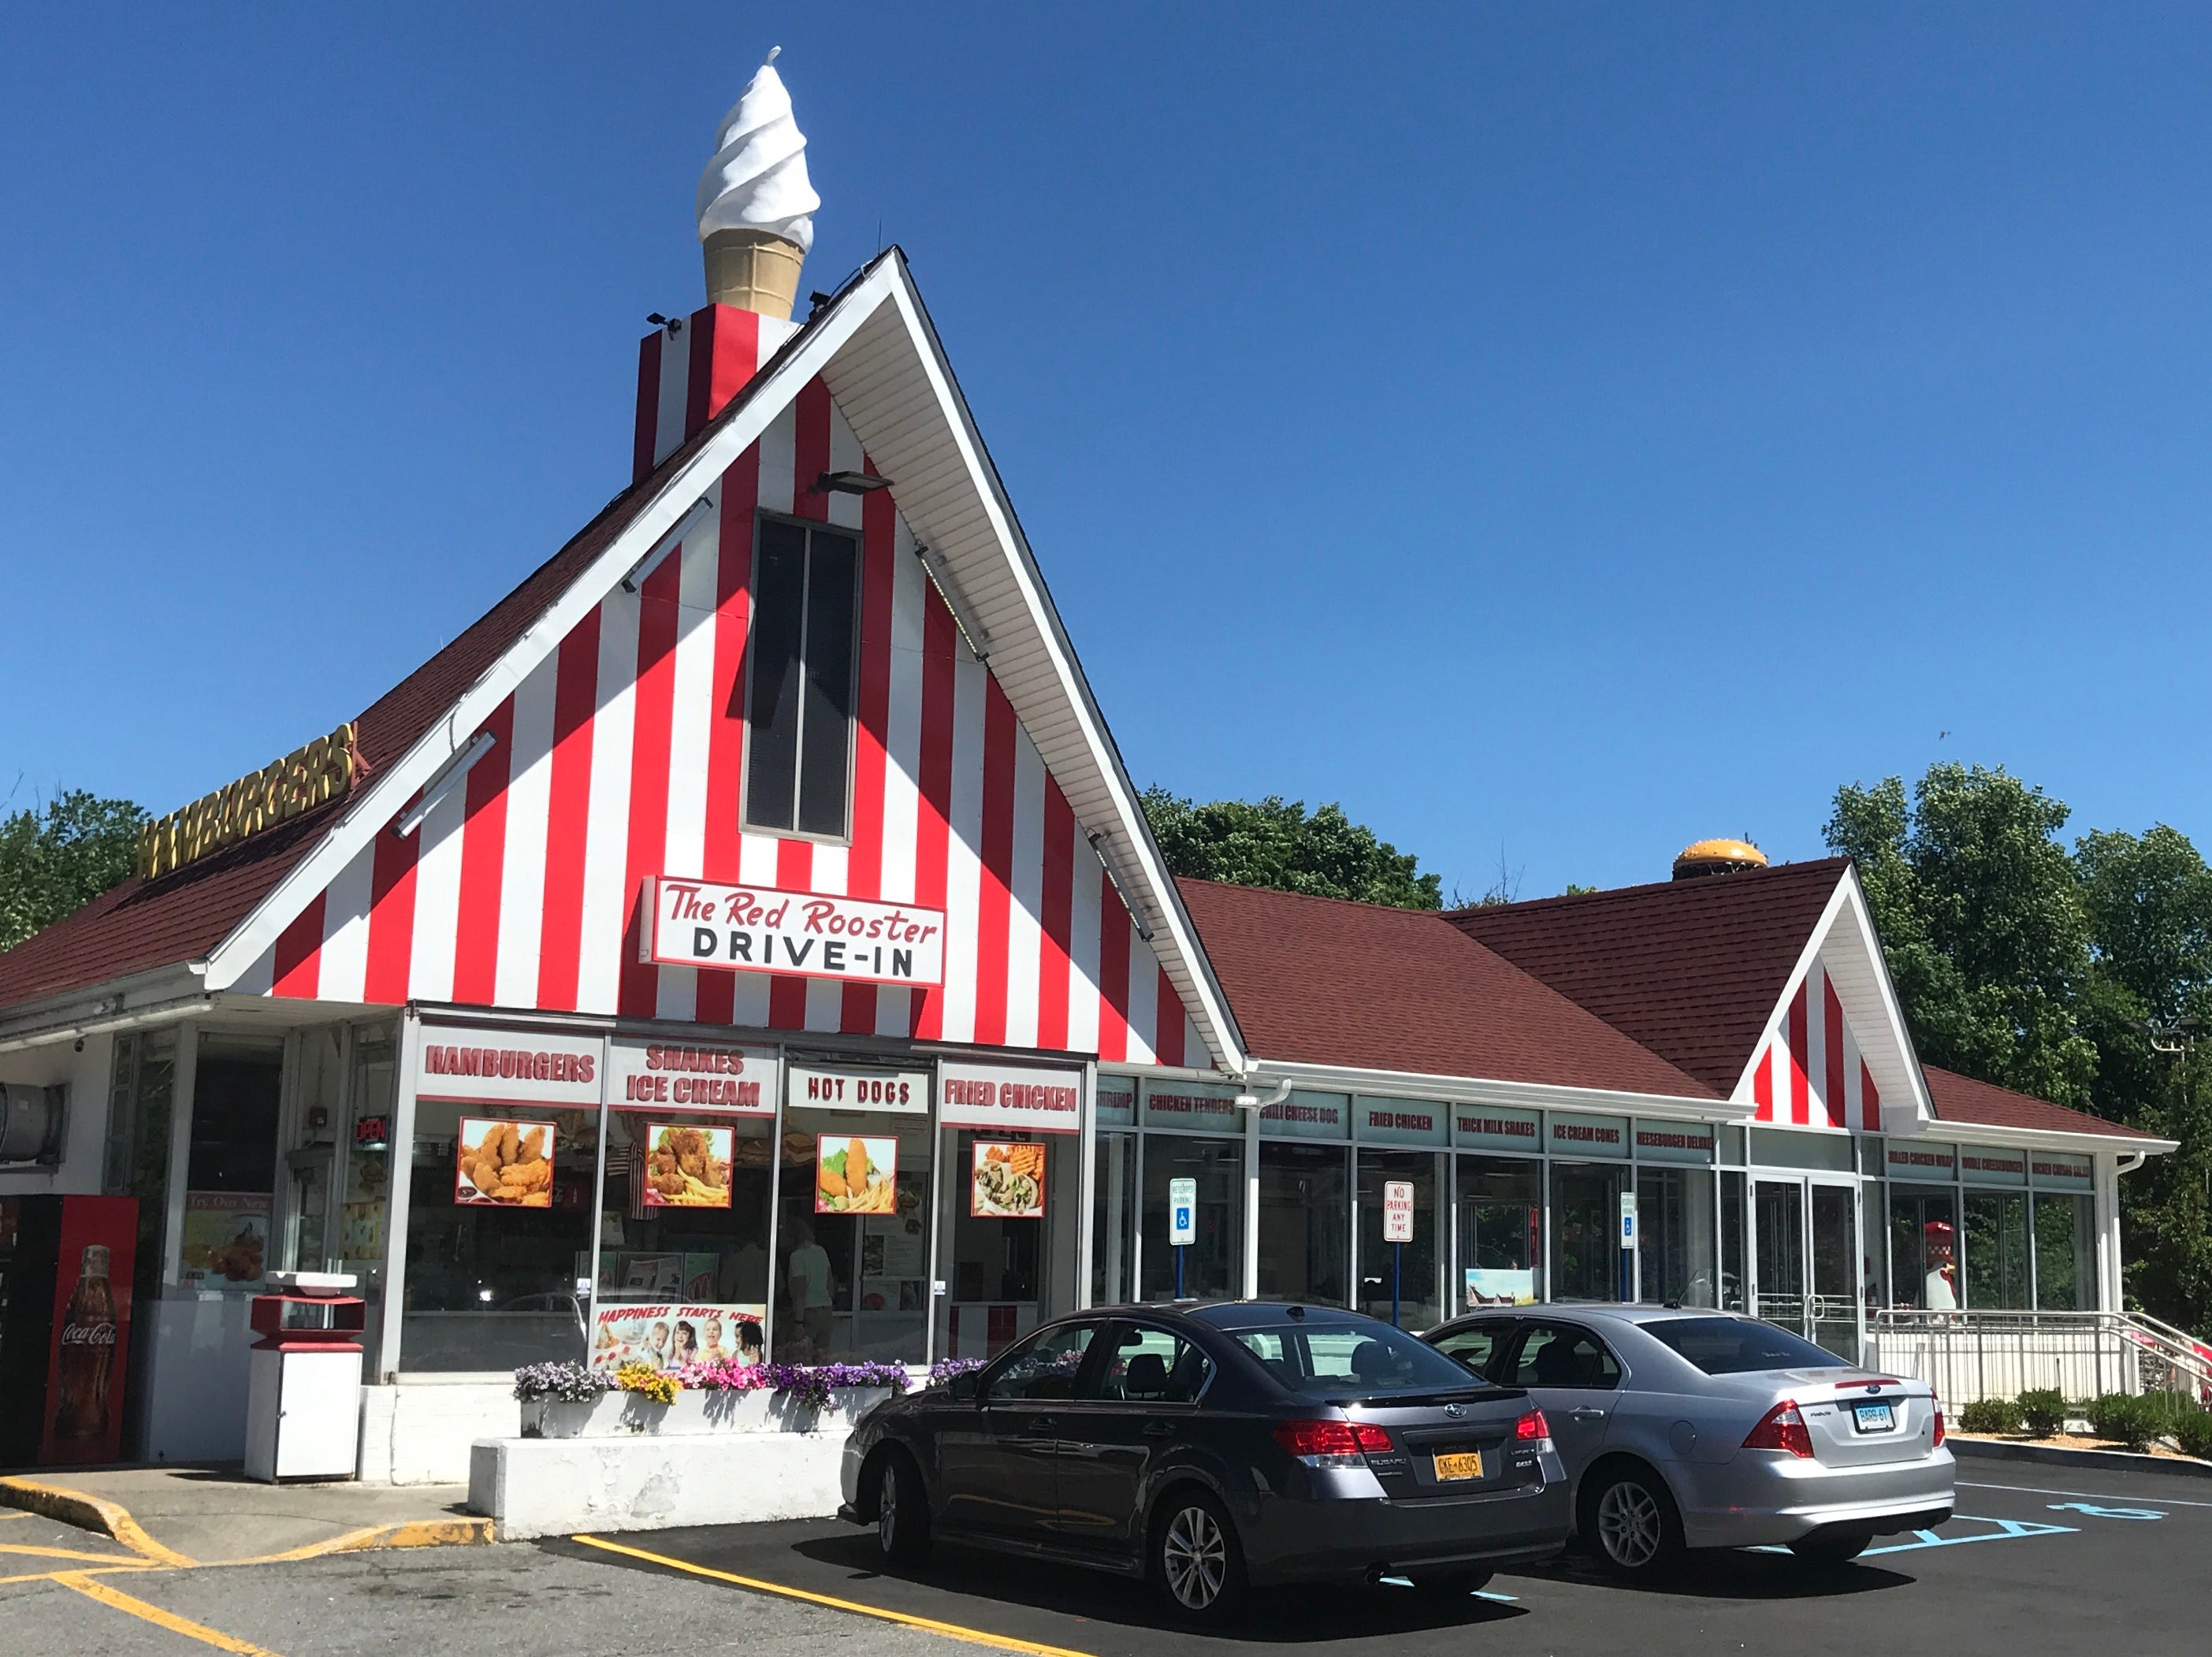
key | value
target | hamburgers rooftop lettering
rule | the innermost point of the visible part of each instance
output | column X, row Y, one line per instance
column 759, row 929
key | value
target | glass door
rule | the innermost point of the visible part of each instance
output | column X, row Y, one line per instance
column 1778, row 1277
column 1835, row 1308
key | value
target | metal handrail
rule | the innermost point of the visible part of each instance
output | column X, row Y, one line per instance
column 2166, row 1359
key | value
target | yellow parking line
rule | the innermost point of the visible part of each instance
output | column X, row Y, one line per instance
column 81, row 1583
column 62, row 1553
column 89, row 1513
column 951, row 1630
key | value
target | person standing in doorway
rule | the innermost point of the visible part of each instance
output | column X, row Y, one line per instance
column 809, row 1282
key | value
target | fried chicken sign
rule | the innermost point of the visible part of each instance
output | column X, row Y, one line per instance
column 687, row 1166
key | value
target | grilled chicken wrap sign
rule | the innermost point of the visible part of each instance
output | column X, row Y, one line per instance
column 1009, row 1182
column 758, row 929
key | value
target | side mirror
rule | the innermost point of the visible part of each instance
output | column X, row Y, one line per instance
column 966, row 1387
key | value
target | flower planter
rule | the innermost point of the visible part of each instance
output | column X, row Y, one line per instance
column 697, row 1410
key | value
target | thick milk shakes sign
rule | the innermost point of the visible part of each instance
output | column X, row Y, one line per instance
column 758, row 929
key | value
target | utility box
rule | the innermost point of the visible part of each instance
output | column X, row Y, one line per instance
column 303, row 1389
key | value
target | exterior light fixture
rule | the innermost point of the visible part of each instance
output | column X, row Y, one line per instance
column 1122, row 884
column 848, row 484
column 667, row 543
column 441, row 783
column 957, row 602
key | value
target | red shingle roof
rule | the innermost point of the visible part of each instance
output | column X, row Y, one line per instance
column 1690, row 969
column 1320, row 980
column 142, row 926
column 1963, row 1100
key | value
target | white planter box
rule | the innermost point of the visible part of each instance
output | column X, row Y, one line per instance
column 648, row 1481
column 694, row 1412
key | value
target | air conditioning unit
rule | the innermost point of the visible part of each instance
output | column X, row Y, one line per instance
column 32, row 1124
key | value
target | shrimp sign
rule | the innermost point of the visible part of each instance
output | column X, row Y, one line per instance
column 760, row 929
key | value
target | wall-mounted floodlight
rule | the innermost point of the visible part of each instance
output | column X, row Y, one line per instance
column 848, row 484
column 442, row 782
column 667, row 543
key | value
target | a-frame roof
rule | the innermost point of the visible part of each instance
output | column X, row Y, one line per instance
column 873, row 345
column 1691, row 969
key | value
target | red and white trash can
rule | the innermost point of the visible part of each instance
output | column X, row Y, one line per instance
column 303, row 1389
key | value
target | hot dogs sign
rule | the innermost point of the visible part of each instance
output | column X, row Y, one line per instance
column 697, row 923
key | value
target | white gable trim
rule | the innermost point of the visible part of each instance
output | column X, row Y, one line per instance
column 881, row 360
column 1844, row 937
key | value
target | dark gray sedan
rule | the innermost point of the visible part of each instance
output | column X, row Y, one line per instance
column 1686, row 1428
column 1215, row 1448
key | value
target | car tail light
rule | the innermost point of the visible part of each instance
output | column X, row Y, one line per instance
column 1531, row 1427
column 1332, row 1443
column 1939, row 1425
column 1782, row 1428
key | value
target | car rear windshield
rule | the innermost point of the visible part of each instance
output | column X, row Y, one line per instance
column 1364, row 1357
column 1735, row 1346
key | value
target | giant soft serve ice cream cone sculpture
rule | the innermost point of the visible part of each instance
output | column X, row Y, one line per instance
column 756, row 205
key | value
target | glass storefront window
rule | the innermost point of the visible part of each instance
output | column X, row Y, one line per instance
column 1413, row 1266
column 1996, row 1251
column 1923, row 1245
column 364, row 1216
column 2065, row 1252
column 1213, row 1266
column 1735, row 1269
column 1305, row 1221
column 1586, row 1252
column 1114, row 1220
column 1501, row 1232
column 1674, row 1233
column 853, row 1285
column 1009, row 1210
column 683, row 1271
column 228, row 1243
column 498, row 1253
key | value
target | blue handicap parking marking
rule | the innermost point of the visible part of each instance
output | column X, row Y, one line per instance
column 2096, row 1512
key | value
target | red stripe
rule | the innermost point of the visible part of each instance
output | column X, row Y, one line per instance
column 933, row 811
column 993, row 899
column 575, row 692
column 1869, row 1101
column 698, row 381
column 1114, row 931
column 390, row 917
column 1801, row 1109
column 648, row 404
column 484, row 860
column 1762, row 1086
column 1167, row 1023
column 659, row 608
column 1056, row 898
column 786, row 996
column 864, row 869
column 1833, row 1023
column 299, row 964
column 810, row 444
column 737, row 356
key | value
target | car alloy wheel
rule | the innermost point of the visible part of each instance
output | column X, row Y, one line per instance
column 1630, row 1529
column 902, row 1511
column 1194, row 1558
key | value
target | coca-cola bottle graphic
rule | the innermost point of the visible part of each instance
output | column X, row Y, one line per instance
column 88, row 1354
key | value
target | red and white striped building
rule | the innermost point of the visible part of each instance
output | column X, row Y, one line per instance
column 288, row 1037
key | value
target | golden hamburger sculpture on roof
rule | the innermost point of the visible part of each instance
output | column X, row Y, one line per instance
column 1717, row 857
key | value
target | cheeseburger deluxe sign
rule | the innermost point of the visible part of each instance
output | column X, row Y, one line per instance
column 759, row 929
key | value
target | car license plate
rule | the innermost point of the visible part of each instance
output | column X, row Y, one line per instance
column 1466, row 1464
column 1874, row 1417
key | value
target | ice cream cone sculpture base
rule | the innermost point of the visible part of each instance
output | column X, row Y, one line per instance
column 752, row 270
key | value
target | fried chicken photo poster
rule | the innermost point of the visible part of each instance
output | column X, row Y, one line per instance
column 1009, row 1182
column 855, row 1175
column 687, row 1166
column 509, row 1164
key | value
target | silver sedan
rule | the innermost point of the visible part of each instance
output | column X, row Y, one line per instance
column 1686, row 1428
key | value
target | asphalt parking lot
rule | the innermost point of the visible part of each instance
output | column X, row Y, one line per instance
column 2036, row 1560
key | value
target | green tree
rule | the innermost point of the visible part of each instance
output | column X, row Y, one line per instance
column 55, row 861
column 1983, row 919
column 1277, row 843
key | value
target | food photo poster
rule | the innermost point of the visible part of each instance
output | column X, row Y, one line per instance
column 855, row 1175
column 507, row 1163
column 687, row 1166
column 1008, row 1181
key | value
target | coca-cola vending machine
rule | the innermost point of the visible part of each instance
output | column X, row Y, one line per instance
column 64, row 1327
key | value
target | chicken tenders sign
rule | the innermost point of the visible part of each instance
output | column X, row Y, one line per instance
column 759, row 929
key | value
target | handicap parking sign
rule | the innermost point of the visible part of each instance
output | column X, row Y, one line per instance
column 1183, row 1212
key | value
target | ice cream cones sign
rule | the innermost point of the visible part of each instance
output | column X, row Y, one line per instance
column 756, row 205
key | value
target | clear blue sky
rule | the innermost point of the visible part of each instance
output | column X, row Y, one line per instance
column 1570, row 430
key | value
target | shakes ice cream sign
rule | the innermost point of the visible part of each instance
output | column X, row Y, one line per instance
column 758, row 929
